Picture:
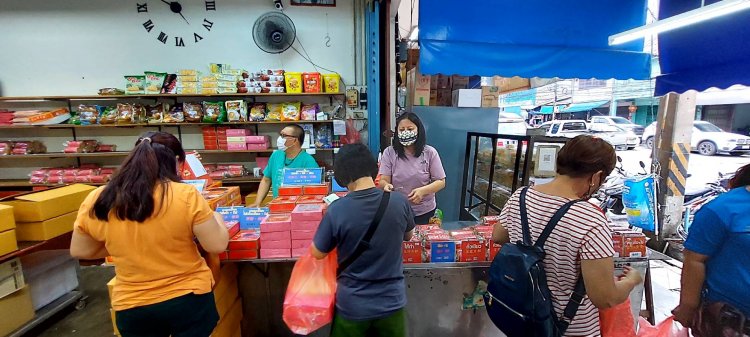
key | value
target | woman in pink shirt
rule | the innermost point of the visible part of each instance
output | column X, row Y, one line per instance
column 413, row 168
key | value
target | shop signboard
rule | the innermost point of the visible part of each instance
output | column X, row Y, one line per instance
column 443, row 252
column 518, row 98
column 302, row 176
column 591, row 90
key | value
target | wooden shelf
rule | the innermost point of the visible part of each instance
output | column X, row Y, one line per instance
column 125, row 153
column 4, row 183
column 71, row 126
column 115, row 97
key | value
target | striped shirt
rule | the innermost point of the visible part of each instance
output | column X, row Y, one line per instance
column 582, row 234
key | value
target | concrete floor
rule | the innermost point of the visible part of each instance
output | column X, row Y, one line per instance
column 94, row 319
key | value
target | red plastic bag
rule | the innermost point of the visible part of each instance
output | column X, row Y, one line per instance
column 311, row 294
column 617, row 321
column 667, row 328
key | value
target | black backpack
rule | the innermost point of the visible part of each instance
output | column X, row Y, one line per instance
column 518, row 299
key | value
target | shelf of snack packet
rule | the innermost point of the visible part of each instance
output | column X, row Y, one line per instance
column 152, row 96
column 125, row 153
column 132, row 125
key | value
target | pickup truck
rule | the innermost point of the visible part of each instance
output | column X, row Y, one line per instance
column 572, row 128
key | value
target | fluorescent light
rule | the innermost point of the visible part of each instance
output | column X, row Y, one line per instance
column 704, row 13
column 414, row 36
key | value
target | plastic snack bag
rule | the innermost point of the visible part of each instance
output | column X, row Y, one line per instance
column 108, row 115
column 311, row 294
column 290, row 111
column 617, row 321
column 87, row 114
column 155, row 113
column 193, row 112
column 175, row 115
column 309, row 112
column 639, row 200
column 125, row 114
column 236, row 111
column 274, row 112
column 213, row 112
column 667, row 328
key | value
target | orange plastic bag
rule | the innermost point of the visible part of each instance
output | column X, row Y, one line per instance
column 311, row 294
column 617, row 321
column 667, row 328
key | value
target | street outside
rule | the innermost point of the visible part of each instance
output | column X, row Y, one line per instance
column 702, row 169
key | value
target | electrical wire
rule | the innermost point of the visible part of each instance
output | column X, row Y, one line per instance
column 318, row 66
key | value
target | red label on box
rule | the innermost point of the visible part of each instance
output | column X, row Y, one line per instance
column 412, row 252
column 494, row 249
column 473, row 251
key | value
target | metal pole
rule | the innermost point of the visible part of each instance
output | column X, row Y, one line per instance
column 672, row 152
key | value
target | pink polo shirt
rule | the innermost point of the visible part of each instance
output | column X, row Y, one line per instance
column 413, row 172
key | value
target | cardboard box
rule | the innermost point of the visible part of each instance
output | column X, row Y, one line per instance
column 282, row 204
column 299, row 252
column 275, row 253
column 412, row 252
column 18, row 303
column 47, row 229
column 308, row 212
column 276, row 236
column 418, row 88
column 412, row 59
column 229, row 324
column 305, row 225
column 244, row 240
column 467, row 98
column 290, row 191
column 302, row 234
column 511, row 84
column 459, row 82
column 114, row 322
column 48, row 204
column 490, row 96
column 274, row 244
column 225, row 294
column 321, row 189
column 440, row 81
column 242, row 254
column 473, row 251
column 8, row 242
column 420, row 97
column 111, row 287
column 443, row 97
column 11, row 277
column 276, row 223
column 301, row 244
column 311, row 199
column 494, row 249
column 7, row 221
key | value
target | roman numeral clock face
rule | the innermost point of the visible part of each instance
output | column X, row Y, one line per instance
column 177, row 22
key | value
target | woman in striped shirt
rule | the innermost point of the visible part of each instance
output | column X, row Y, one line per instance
column 581, row 243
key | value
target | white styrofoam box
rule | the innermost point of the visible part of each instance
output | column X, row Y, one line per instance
column 50, row 274
column 11, row 277
column 467, row 98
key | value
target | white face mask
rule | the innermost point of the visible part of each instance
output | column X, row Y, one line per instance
column 281, row 143
column 407, row 137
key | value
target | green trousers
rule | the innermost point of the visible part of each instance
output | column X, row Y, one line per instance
column 390, row 326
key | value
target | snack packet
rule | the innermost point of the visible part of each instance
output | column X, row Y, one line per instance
column 139, row 113
column 108, row 115
column 193, row 112
column 135, row 84
column 309, row 112
column 258, row 112
column 213, row 112
column 236, row 111
column 87, row 114
column 125, row 114
column 290, row 111
column 175, row 115
column 274, row 112
column 155, row 113
column 154, row 82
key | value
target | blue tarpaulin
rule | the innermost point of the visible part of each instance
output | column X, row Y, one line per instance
column 708, row 54
column 532, row 38
column 578, row 107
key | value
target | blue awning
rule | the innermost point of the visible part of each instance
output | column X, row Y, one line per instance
column 543, row 110
column 708, row 54
column 578, row 107
column 532, row 38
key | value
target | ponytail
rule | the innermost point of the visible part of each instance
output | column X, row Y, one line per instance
column 130, row 193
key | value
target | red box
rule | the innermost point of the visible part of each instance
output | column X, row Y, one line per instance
column 233, row 227
column 223, row 256
column 311, row 199
column 412, row 252
column 283, row 204
column 299, row 252
column 617, row 243
column 244, row 240
column 276, row 223
column 276, row 236
column 209, row 131
column 305, row 225
column 633, row 245
column 315, row 190
column 473, row 251
column 275, row 244
column 242, row 254
column 288, row 191
column 275, row 253
column 494, row 249
column 299, row 234
column 300, row 244
column 308, row 212
column 490, row 220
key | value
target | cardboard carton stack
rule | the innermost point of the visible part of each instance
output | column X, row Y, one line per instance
column 15, row 298
column 305, row 221
column 8, row 241
column 48, row 214
column 223, row 196
column 276, row 235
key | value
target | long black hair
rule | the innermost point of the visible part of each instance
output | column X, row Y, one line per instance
column 130, row 194
column 421, row 136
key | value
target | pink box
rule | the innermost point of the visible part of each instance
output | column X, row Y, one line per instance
column 298, row 244
column 236, row 146
column 303, row 234
column 300, row 251
column 275, row 253
column 262, row 162
column 258, row 147
column 276, row 236
column 257, row 140
column 305, row 225
column 308, row 212
column 276, row 223
column 275, row 244
column 237, row 132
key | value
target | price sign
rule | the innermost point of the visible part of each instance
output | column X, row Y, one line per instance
column 302, row 176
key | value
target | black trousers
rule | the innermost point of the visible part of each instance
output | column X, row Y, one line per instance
column 424, row 219
column 185, row 316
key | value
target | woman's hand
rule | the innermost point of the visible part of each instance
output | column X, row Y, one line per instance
column 388, row 188
column 684, row 315
column 416, row 195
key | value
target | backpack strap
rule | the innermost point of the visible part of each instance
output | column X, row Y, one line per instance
column 524, row 217
column 575, row 301
column 553, row 222
column 364, row 244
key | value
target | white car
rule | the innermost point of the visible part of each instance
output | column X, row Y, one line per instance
column 572, row 128
column 620, row 122
column 708, row 140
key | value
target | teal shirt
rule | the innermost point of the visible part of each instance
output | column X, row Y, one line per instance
column 278, row 162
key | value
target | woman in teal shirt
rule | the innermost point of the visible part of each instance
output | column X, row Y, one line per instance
column 290, row 154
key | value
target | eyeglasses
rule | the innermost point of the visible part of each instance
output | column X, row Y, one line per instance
column 286, row 136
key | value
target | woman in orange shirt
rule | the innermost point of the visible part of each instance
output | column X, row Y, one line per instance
column 147, row 221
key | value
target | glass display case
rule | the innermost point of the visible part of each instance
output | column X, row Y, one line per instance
column 496, row 165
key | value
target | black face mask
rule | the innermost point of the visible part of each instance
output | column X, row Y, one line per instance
column 590, row 193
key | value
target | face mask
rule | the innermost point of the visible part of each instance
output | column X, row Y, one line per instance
column 591, row 190
column 407, row 137
column 281, row 143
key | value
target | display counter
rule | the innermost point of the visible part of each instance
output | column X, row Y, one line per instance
column 444, row 299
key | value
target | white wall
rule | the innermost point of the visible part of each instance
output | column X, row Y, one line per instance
column 75, row 47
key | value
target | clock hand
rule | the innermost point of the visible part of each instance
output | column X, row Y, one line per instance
column 183, row 17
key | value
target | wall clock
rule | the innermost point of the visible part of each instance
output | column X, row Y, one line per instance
column 177, row 23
